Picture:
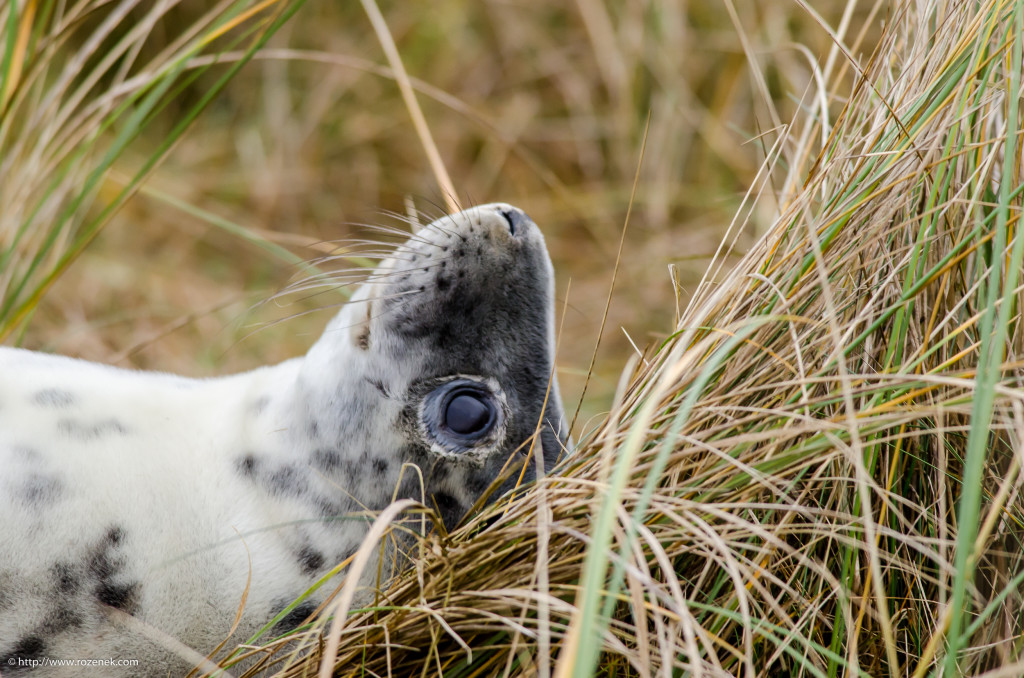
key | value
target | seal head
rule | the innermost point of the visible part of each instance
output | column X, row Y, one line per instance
column 449, row 353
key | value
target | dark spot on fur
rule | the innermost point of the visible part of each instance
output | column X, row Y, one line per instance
column 83, row 432
column 310, row 560
column 462, row 274
column 326, row 460
column 286, row 480
column 61, row 619
column 446, row 335
column 65, row 578
column 54, row 398
column 443, row 283
column 313, row 429
column 40, row 489
column 440, row 473
column 101, row 567
column 121, row 596
column 104, row 566
column 29, row 647
column 246, row 465
column 328, row 508
column 380, row 466
column 293, row 619
column 353, row 469
column 446, row 501
column 449, row 508
column 115, row 536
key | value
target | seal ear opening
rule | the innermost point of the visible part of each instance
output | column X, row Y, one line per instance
column 359, row 331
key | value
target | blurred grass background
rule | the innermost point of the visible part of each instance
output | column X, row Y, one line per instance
column 543, row 105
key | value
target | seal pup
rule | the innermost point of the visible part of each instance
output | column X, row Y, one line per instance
column 158, row 496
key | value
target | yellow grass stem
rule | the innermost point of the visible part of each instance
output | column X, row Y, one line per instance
column 387, row 43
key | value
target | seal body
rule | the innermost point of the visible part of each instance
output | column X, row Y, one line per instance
column 170, row 499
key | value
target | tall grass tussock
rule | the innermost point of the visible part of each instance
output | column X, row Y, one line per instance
column 817, row 472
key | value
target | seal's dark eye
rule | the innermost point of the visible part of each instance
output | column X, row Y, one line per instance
column 467, row 413
column 463, row 414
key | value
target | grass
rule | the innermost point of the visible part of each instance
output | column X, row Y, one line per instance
column 67, row 117
column 814, row 472
column 818, row 472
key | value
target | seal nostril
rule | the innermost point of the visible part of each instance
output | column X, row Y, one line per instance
column 515, row 219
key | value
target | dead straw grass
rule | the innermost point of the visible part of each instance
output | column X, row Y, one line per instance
column 80, row 82
column 818, row 473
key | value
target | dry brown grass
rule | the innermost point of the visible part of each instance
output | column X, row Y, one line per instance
column 818, row 473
